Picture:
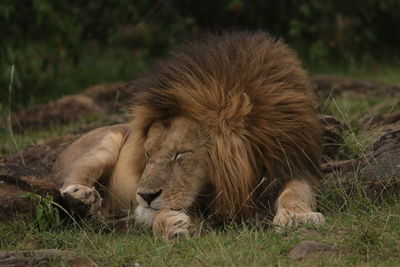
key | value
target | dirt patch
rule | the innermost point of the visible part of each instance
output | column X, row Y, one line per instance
column 104, row 100
column 14, row 182
column 108, row 99
column 327, row 85
column 40, row 157
column 28, row 171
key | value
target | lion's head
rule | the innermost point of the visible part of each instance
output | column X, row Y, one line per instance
column 175, row 171
column 233, row 111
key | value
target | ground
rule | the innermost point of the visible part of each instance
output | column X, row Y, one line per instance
column 360, row 196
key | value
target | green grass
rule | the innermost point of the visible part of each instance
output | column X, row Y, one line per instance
column 366, row 233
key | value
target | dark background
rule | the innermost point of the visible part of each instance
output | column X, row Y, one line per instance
column 60, row 47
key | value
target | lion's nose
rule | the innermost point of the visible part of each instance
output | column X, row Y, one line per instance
column 149, row 197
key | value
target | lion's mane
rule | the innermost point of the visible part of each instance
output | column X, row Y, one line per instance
column 251, row 94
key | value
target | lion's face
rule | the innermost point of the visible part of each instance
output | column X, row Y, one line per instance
column 176, row 164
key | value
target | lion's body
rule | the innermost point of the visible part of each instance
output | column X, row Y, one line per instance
column 230, row 117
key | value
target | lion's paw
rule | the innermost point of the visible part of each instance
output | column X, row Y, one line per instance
column 286, row 218
column 85, row 195
column 172, row 225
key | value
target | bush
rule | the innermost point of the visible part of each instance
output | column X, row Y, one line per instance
column 48, row 40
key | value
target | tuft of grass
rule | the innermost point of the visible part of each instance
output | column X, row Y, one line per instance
column 46, row 212
column 353, row 112
column 351, row 109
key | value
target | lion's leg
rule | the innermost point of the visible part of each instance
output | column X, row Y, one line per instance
column 295, row 205
column 84, row 162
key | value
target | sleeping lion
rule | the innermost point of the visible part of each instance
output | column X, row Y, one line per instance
column 226, row 128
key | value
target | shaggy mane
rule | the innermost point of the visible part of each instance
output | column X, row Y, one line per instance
column 251, row 94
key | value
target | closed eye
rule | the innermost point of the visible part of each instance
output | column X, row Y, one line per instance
column 179, row 154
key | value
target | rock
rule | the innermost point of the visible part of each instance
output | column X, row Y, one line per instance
column 377, row 171
column 332, row 130
column 384, row 160
column 311, row 249
column 43, row 257
column 381, row 170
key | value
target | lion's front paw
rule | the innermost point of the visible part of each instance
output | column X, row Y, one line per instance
column 172, row 225
column 285, row 218
column 82, row 194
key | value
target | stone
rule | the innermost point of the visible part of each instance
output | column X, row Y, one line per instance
column 384, row 160
column 311, row 249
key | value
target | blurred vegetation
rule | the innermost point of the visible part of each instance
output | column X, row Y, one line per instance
column 60, row 47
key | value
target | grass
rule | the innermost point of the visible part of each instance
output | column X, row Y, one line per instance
column 366, row 232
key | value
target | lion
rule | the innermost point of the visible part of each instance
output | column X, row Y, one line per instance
column 225, row 128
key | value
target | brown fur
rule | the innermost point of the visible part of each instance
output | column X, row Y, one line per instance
column 249, row 92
